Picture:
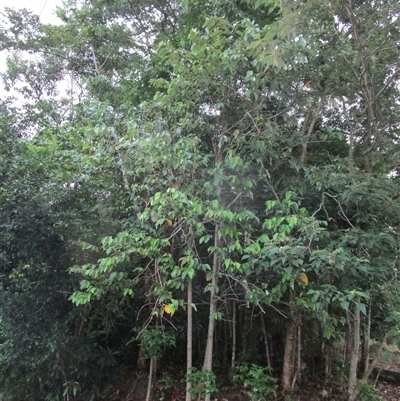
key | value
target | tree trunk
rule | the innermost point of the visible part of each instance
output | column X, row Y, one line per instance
column 365, row 343
column 289, row 358
column 208, row 357
column 225, row 341
column 265, row 342
column 141, row 359
column 377, row 358
column 233, row 357
column 352, row 387
column 150, row 381
column 306, row 136
column 348, row 342
column 326, row 353
column 298, row 369
column 243, row 318
column 189, row 344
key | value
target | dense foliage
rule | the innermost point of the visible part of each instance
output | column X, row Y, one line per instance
column 203, row 183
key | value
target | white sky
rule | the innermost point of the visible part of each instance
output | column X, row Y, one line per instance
column 44, row 7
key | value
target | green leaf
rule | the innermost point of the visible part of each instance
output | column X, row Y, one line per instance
column 128, row 291
column 154, row 216
column 386, row 355
column 362, row 308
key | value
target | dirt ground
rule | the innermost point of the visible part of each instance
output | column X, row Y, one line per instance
column 388, row 391
column 388, row 385
column 173, row 389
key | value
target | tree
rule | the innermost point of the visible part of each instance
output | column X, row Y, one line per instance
column 237, row 158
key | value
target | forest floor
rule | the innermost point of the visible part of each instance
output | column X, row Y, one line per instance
column 388, row 385
column 387, row 390
column 173, row 389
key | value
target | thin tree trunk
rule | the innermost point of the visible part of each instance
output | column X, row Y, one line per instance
column 298, row 369
column 150, row 381
column 189, row 344
column 349, row 341
column 265, row 342
column 125, row 180
column 225, row 340
column 352, row 388
column 365, row 344
column 243, row 338
column 289, row 356
column 208, row 357
column 326, row 351
column 376, row 359
column 289, row 359
column 141, row 359
column 233, row 358
column 306, row 137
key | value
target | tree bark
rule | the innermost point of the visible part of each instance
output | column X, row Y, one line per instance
column 352, row 387
column 225, row 335
column 150, row 381
column 348, row 342
column 208, row 357
column 266, row 342
column 377, row 358
column 365, row 342
column 289, row 358
column 298, row 368
column 233, row 357
column 141, row 359
column 189, row 344
column 306, row 137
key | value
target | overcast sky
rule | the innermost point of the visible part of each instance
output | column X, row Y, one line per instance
column 44, row 7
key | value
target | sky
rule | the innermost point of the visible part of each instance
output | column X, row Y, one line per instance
column 44, row 8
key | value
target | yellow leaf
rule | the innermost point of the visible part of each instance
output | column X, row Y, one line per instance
column 170, row 309
column 303, row 278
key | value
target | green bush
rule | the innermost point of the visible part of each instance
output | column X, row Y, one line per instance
column 258, row 382
column 203, row 382
column 366, row 392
